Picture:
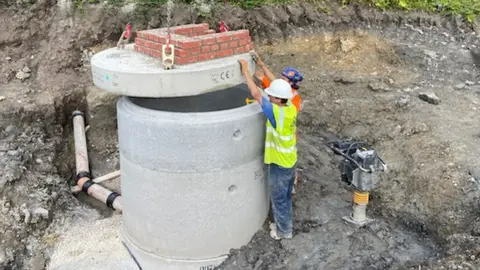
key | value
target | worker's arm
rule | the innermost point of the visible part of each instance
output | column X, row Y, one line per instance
column 262, row 65
column 259, row 74
column 267, row 106
column 256, row 94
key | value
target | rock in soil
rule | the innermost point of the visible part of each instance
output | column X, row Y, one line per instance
column 429, row 97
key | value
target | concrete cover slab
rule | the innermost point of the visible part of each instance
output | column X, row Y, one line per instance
column 130, row 73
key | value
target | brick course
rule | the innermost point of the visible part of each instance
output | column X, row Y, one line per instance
column 193, row 43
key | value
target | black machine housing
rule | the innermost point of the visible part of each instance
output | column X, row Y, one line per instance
column 359, row 163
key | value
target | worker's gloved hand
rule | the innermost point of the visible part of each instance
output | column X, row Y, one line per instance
column 256, row 58
column 243, row 66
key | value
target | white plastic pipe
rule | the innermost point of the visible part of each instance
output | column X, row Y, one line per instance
column 103, row 178
column 84, row 183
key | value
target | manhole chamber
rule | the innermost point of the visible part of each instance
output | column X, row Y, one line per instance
column 193, row 179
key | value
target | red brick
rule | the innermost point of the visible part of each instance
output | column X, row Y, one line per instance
column 185, row 60
column 224, row 37
column 239, row 34
column 187, row 43
column 140, row 42
column 156, row 46
column 194, row 42
column 224, row 53
column 147, row 36
column 145, row 50
column 148, row 44
column 207, row 40
column 189, row 28
column 200, row 28
column 181, row 52
column 240, row 50
column 209, row 32
column 160, row 39
column 195, row 50
column 182, row 31
column 233, row 44
column 206, row 56
column 223, row 46
column 156, row 53
column 243, row 41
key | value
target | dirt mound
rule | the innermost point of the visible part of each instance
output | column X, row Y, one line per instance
column 356, row 52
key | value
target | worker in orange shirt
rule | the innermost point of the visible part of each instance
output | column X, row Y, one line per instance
column 289, row 74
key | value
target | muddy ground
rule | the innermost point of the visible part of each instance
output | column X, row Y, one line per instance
column 364, row 73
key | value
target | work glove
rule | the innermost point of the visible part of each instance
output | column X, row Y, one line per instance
column 255, row 57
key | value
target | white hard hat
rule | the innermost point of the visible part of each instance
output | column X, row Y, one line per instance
column 279, row 88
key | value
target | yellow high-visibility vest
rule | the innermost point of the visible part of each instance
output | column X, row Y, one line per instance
column 281, row 142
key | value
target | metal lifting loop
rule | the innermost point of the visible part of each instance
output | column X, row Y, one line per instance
column 168, row 50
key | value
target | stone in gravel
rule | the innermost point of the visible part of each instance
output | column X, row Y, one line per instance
column 378, row 86
column 22, row 75
column 469, row 83
column 345, row 80
column 13, row 153
column 429, row 97
column 459, row 86
column 431, row 54
column 347, row 44
column 403, row 101
column 39, row 213
column 2, row 98
column 475, row 173
column 9, row 129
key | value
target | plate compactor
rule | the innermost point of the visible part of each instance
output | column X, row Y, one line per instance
column 359, row 168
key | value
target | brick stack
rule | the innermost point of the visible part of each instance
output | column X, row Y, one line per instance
column 193, row 43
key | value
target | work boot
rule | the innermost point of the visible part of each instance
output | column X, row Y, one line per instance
column 274, row 235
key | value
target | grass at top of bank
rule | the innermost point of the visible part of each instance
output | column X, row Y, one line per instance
column 468, row 9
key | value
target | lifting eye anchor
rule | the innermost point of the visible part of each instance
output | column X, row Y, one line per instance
column 168, row 56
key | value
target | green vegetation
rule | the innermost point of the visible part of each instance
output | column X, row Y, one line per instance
column 469, row 9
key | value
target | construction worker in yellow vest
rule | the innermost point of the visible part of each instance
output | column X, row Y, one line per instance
column 280, row 149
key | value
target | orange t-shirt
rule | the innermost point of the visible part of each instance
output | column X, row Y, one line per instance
column 296, row 100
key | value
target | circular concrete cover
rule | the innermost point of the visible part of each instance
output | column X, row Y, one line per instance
column 129, row 73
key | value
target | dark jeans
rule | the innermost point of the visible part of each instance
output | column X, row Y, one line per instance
column 281, row 183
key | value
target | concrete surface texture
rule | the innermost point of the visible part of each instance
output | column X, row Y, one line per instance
column 193, row 183
column 130, row 73
column 88, row 246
